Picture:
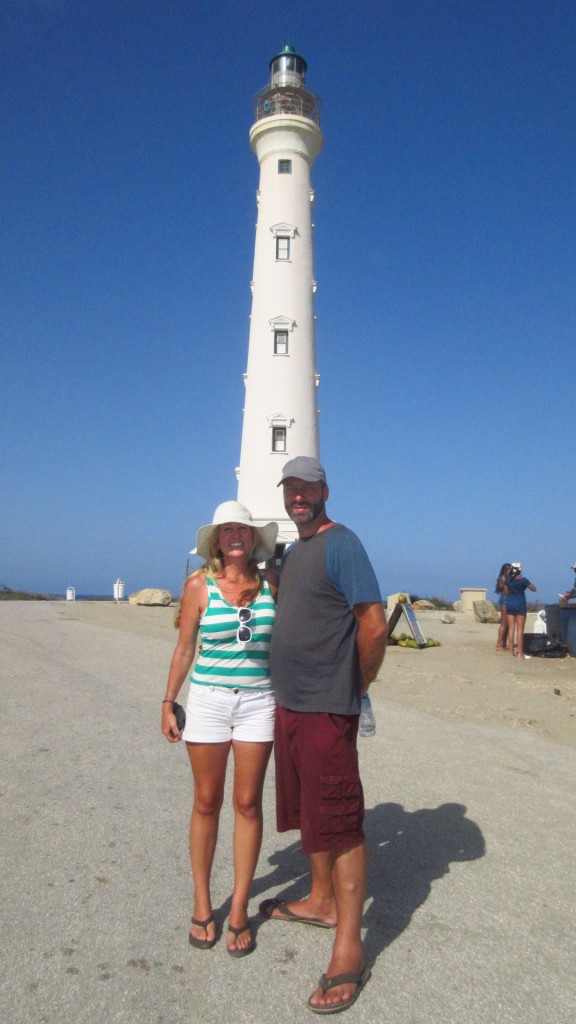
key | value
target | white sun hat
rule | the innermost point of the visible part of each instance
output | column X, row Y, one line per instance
column 234, row 512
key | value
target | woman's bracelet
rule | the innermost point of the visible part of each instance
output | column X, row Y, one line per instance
column 166, row 701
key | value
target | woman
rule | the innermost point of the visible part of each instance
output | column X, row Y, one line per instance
column 515, row 589
column 230, row 705
column 503, row 629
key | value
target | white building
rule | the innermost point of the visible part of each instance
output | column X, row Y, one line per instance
column 280, row 412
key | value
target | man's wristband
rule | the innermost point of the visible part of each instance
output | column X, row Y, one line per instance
column 166, row 701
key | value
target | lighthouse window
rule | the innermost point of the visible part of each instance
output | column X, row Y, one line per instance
column 282, row 247
column 284, row 167
column 278, row 439
column 280, row 343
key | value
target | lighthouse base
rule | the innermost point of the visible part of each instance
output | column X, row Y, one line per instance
column 287, row 535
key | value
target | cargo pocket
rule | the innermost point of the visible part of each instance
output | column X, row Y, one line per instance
column 341, row 804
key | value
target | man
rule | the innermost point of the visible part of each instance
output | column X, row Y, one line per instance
column 569, row 595
column 328, row 643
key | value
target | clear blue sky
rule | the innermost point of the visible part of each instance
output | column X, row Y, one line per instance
column 445, row 258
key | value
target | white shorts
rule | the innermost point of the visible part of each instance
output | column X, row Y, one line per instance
column 217, row 714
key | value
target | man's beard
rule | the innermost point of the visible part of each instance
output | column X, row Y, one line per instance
column 311, row 512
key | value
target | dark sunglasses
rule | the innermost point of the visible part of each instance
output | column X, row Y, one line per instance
column 244, row 633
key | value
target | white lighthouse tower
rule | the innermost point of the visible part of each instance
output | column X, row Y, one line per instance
column 280, row 412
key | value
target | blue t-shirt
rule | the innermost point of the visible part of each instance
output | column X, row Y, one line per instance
column 313, row 657
column 516, row 600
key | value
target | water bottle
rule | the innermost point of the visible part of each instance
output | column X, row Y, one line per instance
column 367, row 726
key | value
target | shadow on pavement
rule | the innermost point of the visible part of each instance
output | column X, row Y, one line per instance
column 408, row 850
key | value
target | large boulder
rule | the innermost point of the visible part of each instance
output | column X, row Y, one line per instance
column 150, row 596
column 423, row 605
column 486, row 611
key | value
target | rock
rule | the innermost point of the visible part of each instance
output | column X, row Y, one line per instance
column 448, row 618
column 457, row 606
column 423, row 606
column 150, row 596
column 485, row 611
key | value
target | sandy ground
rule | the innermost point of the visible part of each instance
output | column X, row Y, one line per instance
column 465, row 679
column 470, row 824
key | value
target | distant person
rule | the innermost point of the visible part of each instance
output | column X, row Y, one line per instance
column 230, row 705
column 328, row 643
column 515, row 589
column 570, row 595
column 503, row 628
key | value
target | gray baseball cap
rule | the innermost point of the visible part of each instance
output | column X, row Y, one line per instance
column 304, row 467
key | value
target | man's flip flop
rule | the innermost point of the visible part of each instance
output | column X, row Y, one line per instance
column 326, row 984
column 285, row 914
column 202, row 943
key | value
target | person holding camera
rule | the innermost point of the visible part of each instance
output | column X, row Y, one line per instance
column 515, row 589
column 231, row 604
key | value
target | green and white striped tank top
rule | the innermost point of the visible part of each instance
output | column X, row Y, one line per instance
column 223, row 660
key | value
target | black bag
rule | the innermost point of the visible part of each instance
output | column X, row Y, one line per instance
column 543, row 646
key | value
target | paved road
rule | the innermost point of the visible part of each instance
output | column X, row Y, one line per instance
column 470, row 911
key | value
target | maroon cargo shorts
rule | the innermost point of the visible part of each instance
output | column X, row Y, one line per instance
column 318, row 788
